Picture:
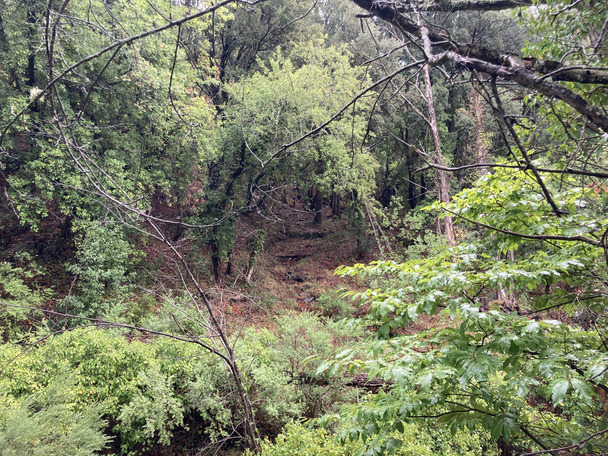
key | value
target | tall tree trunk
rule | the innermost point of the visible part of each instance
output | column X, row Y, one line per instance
column 216, row 260
column 480, row 146
column 318, row 206
column 444, row 193
column 229, row 264
column 335, row 202
column 410, row 157
column 31, row 57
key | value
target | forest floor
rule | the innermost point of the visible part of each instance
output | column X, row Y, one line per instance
column 297, row 263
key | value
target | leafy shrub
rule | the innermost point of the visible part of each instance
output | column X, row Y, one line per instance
column 104, row 260
column 134, row 311
column 154, row 411
column 332, row 305
column 48, row 423
column 297, row 440
column 305, row 341
column 175, row 314
column 280, row 366
column 18, row 299
column 148, row 390
column 415, row 439
column 274, row 393
column 208, row 393
column 139, row 387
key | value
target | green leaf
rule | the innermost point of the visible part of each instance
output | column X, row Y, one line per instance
column 583, row 390
column 496, row 429
column 399, row 426
column 559, row 390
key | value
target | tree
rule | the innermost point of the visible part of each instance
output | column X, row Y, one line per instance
column 283, row 102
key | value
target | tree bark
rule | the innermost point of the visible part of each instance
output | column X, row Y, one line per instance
column 444, row 188
column 458, row 5
column 480, row 147
column 317, row 203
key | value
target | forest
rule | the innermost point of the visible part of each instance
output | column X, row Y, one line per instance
column 303, row 227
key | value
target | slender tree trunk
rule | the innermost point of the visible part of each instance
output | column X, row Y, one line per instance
column 31, row 58
column 229, row 263
column 480, row 147
column 444, row 193
column 335, row 201
column 423, row 189
column 318, row 206
column 215, row 260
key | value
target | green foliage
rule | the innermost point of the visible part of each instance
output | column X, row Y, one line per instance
column 131, row 384
column 483, row 365
column 579, row 43
column 413, row 230
column 305, row 341
column 292, row 94
column 148, row 390
column 276, row 396
column 411, row 439
column 297, row 440
column 49, row 423
column 332, row 304
column 135, row 311
column 102, row 269
column 208, row 393
column 582, row 20
column 125, row 131
column 18, row 299
column 195, row 133
column 153, row 412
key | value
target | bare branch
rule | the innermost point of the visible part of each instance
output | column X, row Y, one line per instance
column 578, row 172
column 522, row 149
column 580, row 445
column 538, row 237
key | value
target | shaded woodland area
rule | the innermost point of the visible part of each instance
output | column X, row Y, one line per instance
column 322, row 227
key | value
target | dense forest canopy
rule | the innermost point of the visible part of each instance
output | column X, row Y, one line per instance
column 154, row 155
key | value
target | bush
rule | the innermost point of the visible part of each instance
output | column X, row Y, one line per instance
column 417, row 439
column 104, row 261
column 303, row 341
column 297, row 440
column 154, row 411
column 149, row 390
column 275, row 395
column 332, row 305
column 48, row 423
column 18, row 299
column 144, row 390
